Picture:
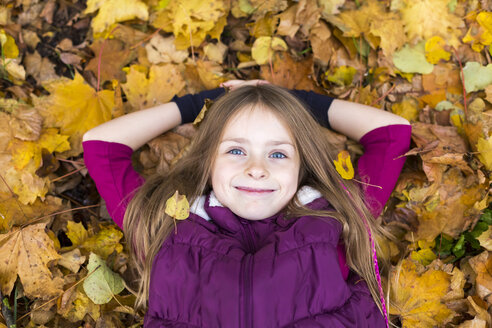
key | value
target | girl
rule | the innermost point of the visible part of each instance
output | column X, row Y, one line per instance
column 273, row 228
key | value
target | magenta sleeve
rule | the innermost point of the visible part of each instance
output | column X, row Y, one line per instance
column 381, row 163
column 110, row 166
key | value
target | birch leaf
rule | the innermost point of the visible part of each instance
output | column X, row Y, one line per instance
column 101, row 283
column 178, row 207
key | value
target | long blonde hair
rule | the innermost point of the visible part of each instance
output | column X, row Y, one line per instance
column 147, row 226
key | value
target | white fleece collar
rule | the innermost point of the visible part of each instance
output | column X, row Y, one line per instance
column 305, row 194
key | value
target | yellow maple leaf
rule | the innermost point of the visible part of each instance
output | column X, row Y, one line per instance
column 484, row 148
column 26, row 252
column 77, row 233
column 408, row 109
column 417, row 295
column 434, row 50
column 192, row 20
column 344, row 165
column 104, row 242
column 25, row 151
column 424, row 19
column 113, row 11
column 390, row 30
column 264, row 48
column 481, row 35
column 163, row 82
column 74, row 107
column 355, row 23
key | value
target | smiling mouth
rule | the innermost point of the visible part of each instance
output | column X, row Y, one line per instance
column 255, row 190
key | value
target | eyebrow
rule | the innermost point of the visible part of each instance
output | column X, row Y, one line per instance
column 274, row 142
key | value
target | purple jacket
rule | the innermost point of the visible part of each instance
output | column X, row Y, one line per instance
column 221, row 270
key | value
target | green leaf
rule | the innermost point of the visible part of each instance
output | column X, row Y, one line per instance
column 101, row 283
column 470, row 238
column 477, row 77
column 487, row 216
column 412, row 59
column 459, row 247
column 479, row 228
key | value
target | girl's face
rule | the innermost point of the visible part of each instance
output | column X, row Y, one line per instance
column 256, row 169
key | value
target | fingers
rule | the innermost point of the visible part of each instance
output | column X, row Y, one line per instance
column 233, row 84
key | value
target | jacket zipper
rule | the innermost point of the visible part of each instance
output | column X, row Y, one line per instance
column 248, row 272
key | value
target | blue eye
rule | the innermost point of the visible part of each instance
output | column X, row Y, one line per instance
column 278, row 155
column 235, row 151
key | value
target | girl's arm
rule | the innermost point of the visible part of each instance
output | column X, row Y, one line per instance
column 136, row 128
column 355, row 120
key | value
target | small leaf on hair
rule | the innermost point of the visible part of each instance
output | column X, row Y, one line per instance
column 344, row 165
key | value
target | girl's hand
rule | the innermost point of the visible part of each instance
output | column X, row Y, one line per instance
column 234, row 84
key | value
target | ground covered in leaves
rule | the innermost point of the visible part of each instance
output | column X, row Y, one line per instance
column 67, row 66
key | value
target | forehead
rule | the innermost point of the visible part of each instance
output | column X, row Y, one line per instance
column 257, row 123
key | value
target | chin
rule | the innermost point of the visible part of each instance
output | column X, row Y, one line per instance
column 253, row 216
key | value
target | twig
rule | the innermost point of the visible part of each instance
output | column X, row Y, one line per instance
column 383, row 96
column 7, row 312
column 146, row 39
column 68, row 174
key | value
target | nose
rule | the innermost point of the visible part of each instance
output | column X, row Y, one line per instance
column 256, row 169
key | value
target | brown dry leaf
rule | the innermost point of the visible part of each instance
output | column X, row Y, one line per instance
column 488, row 93
column 417, row 294
column 72, row 260
column 163, row 50
column 162, row 83
column 443, row 206
column 211, row 74
column 261, row 7
column 321, row 42
column 287, row 25
column 482, row 266
column 41, row 68
column 26, row 123
column 12, row 212
column 445, row 76
column 307, row 15
column 290, row 74
column 27, row 252
column 75, row 304
column 166, row 147
column 115, row 55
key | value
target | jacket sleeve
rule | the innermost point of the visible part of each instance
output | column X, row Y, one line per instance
column 381, row 163
column 379, row 166
column 110, row 166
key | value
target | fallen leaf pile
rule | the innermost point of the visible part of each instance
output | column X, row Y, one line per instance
column 68, row 66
